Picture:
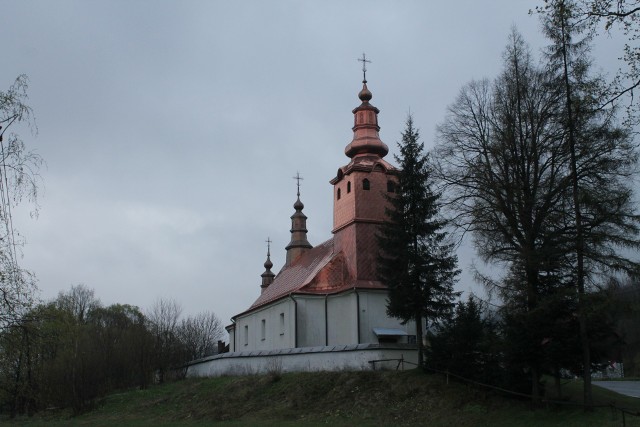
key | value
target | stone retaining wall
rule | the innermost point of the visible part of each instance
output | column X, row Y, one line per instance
column 331, row 358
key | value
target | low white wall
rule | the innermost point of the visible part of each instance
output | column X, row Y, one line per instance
column 331, row 358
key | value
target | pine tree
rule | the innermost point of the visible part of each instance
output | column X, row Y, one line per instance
column 416, row 261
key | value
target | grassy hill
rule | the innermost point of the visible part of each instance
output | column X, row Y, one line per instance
column 336, row 398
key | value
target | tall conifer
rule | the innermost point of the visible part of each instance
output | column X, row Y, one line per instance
column 602, row 163
column 416, row 261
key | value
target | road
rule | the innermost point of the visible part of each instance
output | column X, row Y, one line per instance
column 628, row 388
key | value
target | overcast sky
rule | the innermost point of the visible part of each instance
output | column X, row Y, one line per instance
column 171, row 130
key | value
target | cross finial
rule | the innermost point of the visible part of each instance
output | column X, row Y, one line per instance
column 268, row 246
column 364, row 61
column 298, row 178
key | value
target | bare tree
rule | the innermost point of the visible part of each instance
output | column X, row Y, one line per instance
column 504, row 171
column 79, row 301
column 611, row 18
column 19, row 180
column 163, row 317
column 624, row 16
column 199, row 335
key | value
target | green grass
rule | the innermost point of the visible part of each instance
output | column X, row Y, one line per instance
column 338, row 398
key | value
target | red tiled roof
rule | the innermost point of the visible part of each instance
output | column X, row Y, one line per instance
column 320, row 270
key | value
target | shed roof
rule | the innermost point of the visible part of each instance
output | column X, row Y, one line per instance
column 389, row 332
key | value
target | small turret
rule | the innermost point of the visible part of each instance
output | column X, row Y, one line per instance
column 299, row 243
column 267, row 276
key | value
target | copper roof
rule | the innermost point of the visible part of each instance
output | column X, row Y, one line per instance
column 366, row 139
column 319, row 270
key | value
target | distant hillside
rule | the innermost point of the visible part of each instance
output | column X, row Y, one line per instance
column 334, row 398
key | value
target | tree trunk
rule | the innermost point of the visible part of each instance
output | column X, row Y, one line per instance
column 532, row 303
column 419, row 334
column 535, row 385
column 15, row 402
column 586, row 359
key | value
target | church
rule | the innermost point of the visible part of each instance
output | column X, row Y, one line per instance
column 326, row 309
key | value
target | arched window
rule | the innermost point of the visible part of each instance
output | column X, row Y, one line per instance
column 349, row 187
column 365, row 184
column 391, row 187
column 338, row 194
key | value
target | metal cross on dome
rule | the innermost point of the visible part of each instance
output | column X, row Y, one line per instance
column 268, row 245
column 364, row 61
column 298, row 178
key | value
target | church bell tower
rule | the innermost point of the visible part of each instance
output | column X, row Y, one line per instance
column 360, row 190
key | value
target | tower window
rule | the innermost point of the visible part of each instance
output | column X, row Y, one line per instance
column 365, row 184
column 391, row 187
column 349, row 187
column 338, row 194
column 263, row 329
column 246, row 334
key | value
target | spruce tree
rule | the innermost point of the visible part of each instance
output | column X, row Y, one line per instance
column 416, row 261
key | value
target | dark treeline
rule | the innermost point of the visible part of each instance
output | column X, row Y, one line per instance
column 487, row 344
column 71, row 351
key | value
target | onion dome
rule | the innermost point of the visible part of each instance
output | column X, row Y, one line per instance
column 268, row 264
column 366, row 140
column 365, row 94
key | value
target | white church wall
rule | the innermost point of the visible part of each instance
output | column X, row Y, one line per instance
column 342, row 319
column 373, row 314
column 274, row 326
column 311, row 320
column 232, row 339
column 270, row 327
column 327, row 358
